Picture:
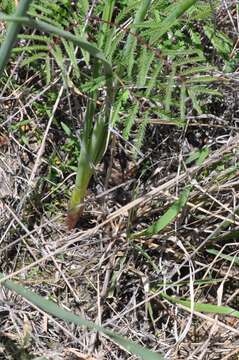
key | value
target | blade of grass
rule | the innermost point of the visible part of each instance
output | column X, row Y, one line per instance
column 234, row 259
column 229, row 235
column 207, row 308
column 167, row 217
column 51, row 308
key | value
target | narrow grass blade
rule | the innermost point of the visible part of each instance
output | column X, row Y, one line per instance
column 179, row 10
column 200, row 307
column 167, row 218
column 12, row 33
column 234, row 259
column 51, row 308
column 157, row 287
column 230, row 235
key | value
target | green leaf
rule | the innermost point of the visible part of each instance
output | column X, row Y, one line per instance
column 69, row 47
column 48, row 70
column 131, row 39
column 183, row 101
column 105, row 24
column 202, row 79
column 221, row 43
column 129, row 121
column 123, row 97
column 155, row 73
column 230, row 235
column 145, row 61
column 203, row 154
column 195, row 102
column 200, row 307
column 234, row 259
column 179, row 9
column 204, row 90
column 169, row 89
column 30, row 48
column 39, row 56
column 199, row 156
column 168, row 216
column 59, row 57
column 196, row 70
column 51, row 308
column 141, row 134
column 66, row 128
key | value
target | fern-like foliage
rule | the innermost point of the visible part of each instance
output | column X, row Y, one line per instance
column 173, row 73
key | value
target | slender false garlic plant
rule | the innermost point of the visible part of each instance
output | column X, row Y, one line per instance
column 95, row 134
column 94, row 142
column 93, row 145
column 96, row 126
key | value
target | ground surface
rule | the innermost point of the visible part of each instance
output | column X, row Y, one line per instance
column 97, row 270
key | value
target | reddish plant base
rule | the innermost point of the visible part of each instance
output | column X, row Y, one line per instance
column 73, row 217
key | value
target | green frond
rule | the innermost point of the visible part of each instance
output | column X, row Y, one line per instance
column 33, row 58
column 60, row 60
column 220, row 41
column 119, row 102
column 175, row 12
column 105, row 26
column 139, row 140
column 145, row 60
column 70, row 50
column 197, row 70
column 169, row 89
column 131, row 42
column 153, row 78
column 129, row 121
column 30, row 48
column 202, row 79
column 195, row 102
column 183, row 101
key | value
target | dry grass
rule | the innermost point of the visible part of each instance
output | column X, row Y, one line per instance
column 97, row 271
